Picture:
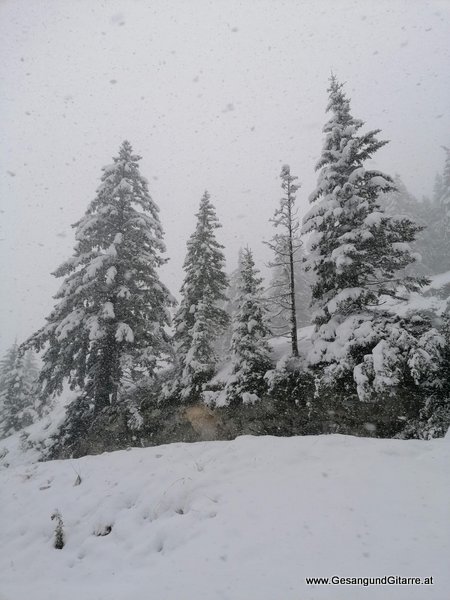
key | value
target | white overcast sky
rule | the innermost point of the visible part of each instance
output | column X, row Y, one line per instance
column 214, row 95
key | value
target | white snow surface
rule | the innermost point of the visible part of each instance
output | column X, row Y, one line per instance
column 240, row 520
column 439, row 281
column 281, row 346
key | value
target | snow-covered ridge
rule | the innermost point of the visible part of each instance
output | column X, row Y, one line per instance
column 241, row 520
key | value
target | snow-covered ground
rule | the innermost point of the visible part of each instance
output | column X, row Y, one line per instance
column 241, row 520
column 281, row 346
column 438, row 282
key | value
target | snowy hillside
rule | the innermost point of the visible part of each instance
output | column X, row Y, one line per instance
column 241, row 520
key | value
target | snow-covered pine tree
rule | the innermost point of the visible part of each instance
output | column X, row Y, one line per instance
column 250, row 351
column 357, row 251
column 400, row 203
column 30, row 367
column 223, row 342
column 286, row 244
column 107, row 330
column 433, row 243
column 8, row 363
column 200, row 319
column 18, row 376
column 445, row 189
column 441, row 225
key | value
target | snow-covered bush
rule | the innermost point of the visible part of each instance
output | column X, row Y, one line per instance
column 434, row 417
column 382, row 352
column 290, row 390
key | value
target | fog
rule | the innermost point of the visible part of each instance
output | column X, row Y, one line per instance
column 213, row 95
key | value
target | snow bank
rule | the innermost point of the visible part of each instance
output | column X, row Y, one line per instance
column 241, row 520
column 440, row 281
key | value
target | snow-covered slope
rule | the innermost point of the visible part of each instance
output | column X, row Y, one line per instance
column 241, row 520
column 440, row 282
column 281, row 346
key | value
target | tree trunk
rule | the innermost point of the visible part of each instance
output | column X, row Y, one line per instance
column 294, row 340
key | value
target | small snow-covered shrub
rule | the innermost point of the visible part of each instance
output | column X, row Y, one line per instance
column 290, row 390
column 406, row 351
column 290, row 380
column 336, row 408
column 433, row 421
column 59, row 540
column 434, row 417
column 381, row 372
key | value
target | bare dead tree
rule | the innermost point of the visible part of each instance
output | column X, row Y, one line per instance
column 285, row 244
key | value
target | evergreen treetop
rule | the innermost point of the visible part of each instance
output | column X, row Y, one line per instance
column 250, row 351
column 108, row 326
column 357, row 250
column 200, row 318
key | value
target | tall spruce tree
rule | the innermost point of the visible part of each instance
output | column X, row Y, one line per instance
column 286, row 245
column 358, row 253
column 107, row 330
column 18, row 377
column 356, row 249
column 250, row 351
column 200, row 318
